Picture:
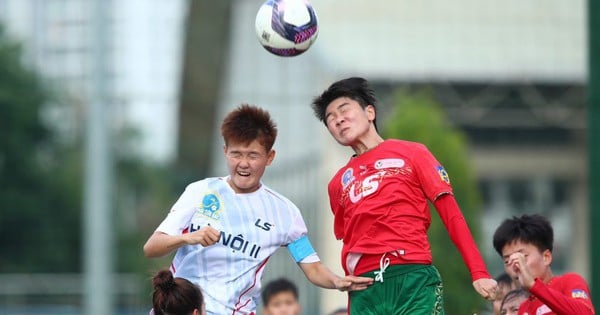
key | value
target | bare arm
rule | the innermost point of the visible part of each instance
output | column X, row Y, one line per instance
column 160, row 244
column 321, row 276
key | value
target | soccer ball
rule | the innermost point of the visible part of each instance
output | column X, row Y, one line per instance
column 286, row 27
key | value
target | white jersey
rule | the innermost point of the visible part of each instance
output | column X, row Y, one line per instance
column 253, row 226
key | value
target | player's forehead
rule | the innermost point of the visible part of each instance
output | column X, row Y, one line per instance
column 517, row 246
column 246, row 147
column 339, row 103
column 283, row 296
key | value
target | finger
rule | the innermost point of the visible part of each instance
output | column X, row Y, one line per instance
column 363, row 281
column 213, row 237
column 359, row 288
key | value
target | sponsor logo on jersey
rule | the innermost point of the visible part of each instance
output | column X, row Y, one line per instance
column 368, row 186
column 263, row 225
column 211, row 206
column 443, row 174
column 347, row 178
column 579, row 294
column 389, row 163
column 543, row 310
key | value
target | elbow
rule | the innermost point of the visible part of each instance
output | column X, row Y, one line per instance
column 149, row 252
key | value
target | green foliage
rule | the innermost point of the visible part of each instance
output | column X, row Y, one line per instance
column 418, row 118
column 41, row 180
column 34, row 210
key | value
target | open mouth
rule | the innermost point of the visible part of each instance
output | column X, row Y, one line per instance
column 244, row 174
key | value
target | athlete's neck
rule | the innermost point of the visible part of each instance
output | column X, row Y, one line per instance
column 366, row 145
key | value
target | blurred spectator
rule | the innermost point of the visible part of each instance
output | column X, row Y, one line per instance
column 505, row 285
column 280, row 297
column 512, row 300
column 175, row 295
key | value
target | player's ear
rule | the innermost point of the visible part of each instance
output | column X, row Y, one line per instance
column 547, row 257
column 370, row 109
column 270, row 157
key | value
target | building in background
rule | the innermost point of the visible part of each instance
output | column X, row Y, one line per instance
column 510, row 74
column 144, row 58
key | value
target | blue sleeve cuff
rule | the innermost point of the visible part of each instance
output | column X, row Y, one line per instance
column 301, row 248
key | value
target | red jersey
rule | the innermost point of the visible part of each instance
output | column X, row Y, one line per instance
column 563, row 295
column 379, row 201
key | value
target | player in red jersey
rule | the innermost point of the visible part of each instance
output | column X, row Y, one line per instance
column 525, row 244
column 379, row 201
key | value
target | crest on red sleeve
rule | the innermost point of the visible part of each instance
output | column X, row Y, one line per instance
column 579, row 294
column 443, row 174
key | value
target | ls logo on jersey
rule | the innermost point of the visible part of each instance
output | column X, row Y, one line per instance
column 443, row 174
column 263, row 225
column 211, row 206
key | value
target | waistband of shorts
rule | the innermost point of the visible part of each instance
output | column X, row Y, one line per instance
column 396, row 270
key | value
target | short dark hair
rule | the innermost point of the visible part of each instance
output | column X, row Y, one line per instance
column 504, row 279
column 533, row 229
column 248, row 123
column 277, row 286
column 516, row 293
column 175, row 295
column 355, row 88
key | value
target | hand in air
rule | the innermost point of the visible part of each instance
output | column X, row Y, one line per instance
column 518, row 264
column 487, row 288
column 205, row 236
column 353, row 283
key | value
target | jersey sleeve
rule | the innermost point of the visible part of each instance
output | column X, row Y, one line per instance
column 572, row 299
column 181, row 213
column 433, row 177
column 461, row 236
column 297, row 243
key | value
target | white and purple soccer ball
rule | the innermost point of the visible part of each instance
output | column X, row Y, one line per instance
column 286, row 27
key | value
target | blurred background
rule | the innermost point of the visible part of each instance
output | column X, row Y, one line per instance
column 108, row 109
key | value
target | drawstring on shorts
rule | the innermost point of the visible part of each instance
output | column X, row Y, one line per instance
column 384, row 262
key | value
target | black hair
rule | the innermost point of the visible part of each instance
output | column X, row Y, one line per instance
column 277, row 286
column 175, row 296
column 504, row 279
column 511, row 295
column 533, row 229
column 355, row 88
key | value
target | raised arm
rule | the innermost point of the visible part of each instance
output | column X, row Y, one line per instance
column 461, row 237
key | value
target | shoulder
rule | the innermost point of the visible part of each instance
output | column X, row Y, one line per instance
column 570, row 277
column 203, row 183
column 279, row 198
column 405, row 146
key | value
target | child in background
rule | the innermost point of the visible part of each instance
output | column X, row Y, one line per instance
column 525, row 244
column 511, row 302
column 175, row 295
column 505, row 285
column 280, row 297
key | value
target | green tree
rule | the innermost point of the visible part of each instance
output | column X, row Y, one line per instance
column 41, row 177
column 418, row 118
column 34, row 210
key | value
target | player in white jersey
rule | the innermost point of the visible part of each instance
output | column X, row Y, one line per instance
column 225, row 228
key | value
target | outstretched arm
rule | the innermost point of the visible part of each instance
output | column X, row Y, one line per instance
column 461, row 236
column 160, row 244
column 321, row 276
